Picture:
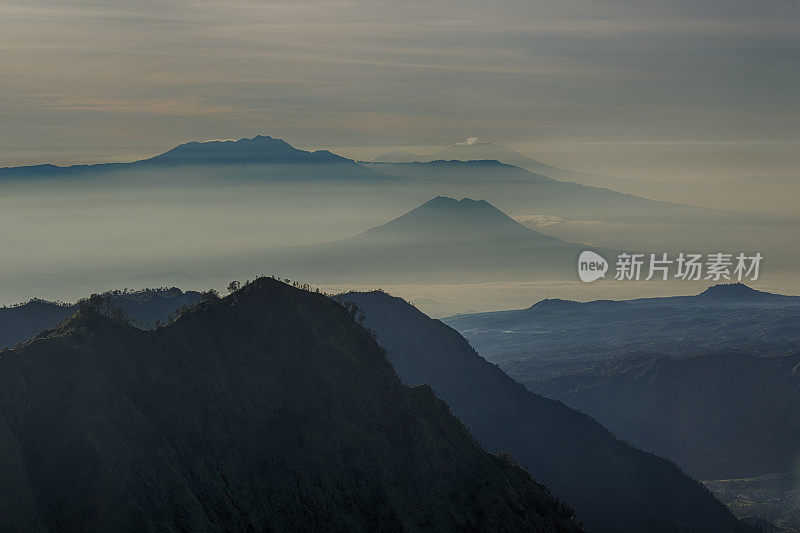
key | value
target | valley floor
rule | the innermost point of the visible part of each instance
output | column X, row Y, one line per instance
column 774, row 497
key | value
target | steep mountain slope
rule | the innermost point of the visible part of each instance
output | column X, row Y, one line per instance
column 556, row 335
column 730, row 419
column 613, row 486
column 268, row 410
column 718, row 416
column 442, row 239
column 21, row 322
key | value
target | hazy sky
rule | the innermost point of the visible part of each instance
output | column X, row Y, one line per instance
column 605, row 86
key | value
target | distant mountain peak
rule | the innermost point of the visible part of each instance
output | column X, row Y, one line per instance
column 448, row 220
column 259, row 149
column 465, row 211
column 446, row 201
column 554, row 304
column 731, row 291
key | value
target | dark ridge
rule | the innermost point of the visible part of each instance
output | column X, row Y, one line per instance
column 269, row 409
column 148, row 307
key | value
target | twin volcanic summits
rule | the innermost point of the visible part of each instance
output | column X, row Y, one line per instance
column 240, row 156
column 258, row 150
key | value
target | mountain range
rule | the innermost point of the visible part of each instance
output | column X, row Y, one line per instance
column 264, row 159
column 248, row 156
column 608, row 482
column 612, row 485
column 709, row 381
column 556, row 336
column 270, row 409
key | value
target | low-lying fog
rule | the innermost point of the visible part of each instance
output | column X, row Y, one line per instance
column 64, row 240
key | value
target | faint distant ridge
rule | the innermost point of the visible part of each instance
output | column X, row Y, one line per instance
column 721, row 293
column 474, row 149
column 399, row 156
column 258, row 150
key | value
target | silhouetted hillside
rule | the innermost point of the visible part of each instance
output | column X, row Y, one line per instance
column 21, row 322
column 718, row 416
column 267, row 410
column 613, row 486
column 730, row 419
